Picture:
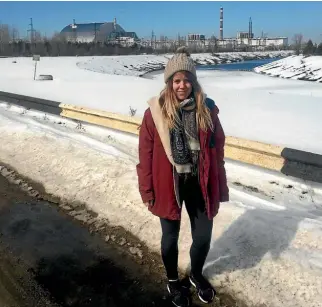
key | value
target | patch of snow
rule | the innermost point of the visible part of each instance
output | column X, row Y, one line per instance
column 266, row 241
column 295, row 67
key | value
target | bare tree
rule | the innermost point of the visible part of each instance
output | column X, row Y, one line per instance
column 14, row 34
column 37, row 36
column 4, row 33
column 58, row 37
column 4, row 37
column 297, row 39
column 212, row 47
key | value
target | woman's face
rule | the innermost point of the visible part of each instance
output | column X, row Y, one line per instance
column 181, row 85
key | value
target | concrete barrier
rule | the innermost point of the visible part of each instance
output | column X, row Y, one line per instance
column 38, row 104
column 102, row 118
column 291, row 162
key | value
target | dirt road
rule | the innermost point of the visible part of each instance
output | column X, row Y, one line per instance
column 49, row 258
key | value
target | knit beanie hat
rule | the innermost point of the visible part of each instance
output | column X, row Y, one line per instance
column 181, row 61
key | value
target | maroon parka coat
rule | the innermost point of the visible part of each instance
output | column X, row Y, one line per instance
column 156, row 173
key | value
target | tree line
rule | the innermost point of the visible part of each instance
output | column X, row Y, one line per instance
column 59, row 48
column 307, row 48
column 312, row 49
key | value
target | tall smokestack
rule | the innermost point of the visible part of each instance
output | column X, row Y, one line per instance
column 114, row 24
column 250, row 30
column 221, row 35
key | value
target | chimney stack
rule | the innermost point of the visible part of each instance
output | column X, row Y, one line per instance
column 114, row 22
column 221, row 32
column 250, row 28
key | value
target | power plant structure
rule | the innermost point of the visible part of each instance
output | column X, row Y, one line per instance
column 196, row 37
column 243, row 39
column 98, row 32
column 246, row 38
column 250, row 30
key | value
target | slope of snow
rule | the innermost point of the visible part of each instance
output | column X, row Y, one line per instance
column 295, row 67
column 252, row 106
column 266, row 246
column 140, row 64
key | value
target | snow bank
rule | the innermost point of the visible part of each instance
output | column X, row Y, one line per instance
column 266, row 245
column 295, row 67
column 140, row 64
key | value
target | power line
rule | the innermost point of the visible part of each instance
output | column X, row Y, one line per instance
column 32, row 31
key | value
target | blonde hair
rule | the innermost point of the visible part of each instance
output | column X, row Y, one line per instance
column 170, row 104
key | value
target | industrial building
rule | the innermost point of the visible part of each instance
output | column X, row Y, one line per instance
column 259, row 42
column 196, row 37
column 246, row 38
column 98, row 32
column 243, row 39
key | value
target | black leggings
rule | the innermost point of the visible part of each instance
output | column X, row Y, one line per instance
column 201, row 229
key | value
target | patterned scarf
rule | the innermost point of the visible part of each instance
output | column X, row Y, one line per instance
column 184, row 140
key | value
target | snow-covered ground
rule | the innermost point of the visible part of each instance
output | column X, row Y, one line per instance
column 252, row 106
column 295, row 67
column 266, row 246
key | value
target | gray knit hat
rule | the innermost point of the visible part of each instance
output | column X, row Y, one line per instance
column 179, row 62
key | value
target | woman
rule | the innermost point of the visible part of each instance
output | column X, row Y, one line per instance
column 181, row 158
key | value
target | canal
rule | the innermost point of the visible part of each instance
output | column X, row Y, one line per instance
column 237, row 66
column 244, row 65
